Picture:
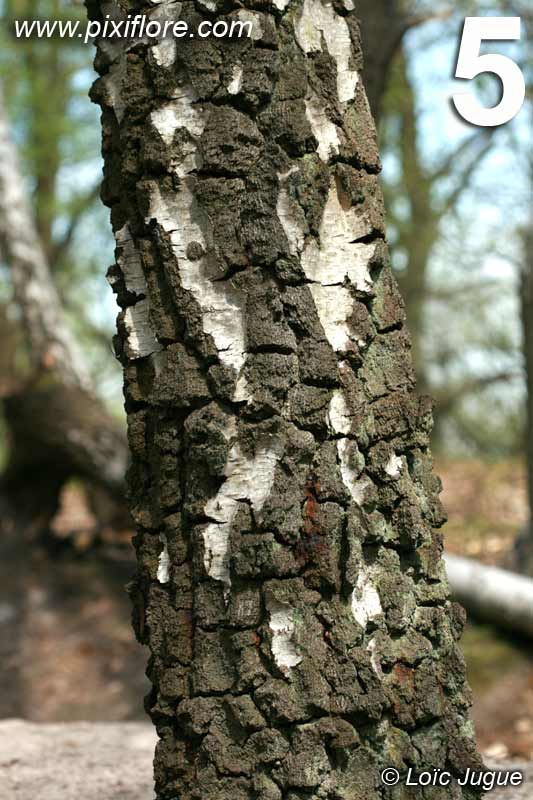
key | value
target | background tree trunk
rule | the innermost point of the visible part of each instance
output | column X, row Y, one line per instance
column 524, row 546
column 290, row 586
column 57, row 426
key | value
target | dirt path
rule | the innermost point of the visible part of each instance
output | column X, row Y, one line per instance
column 72, row 761
column 103, row 762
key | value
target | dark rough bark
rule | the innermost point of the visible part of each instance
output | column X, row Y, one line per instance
column 290, row 586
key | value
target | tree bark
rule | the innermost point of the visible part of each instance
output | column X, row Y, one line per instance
column 290, row 584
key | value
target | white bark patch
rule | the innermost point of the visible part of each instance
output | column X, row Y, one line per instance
column 282, row 626
column 250, row 16
column 140, row 338
column 129, row 262
column 374, row 658
column 339, row 255
column 180, row 112
column 180, row 216
column 222, row 306
column 394, row 466
column 281, row 4
column 366, row 605
column 334, row 305
column 163, row 570
column 324, row 131
column 234, row 86
column 339, row 413
column 332, row 260
column 350, row 472
column 247, row 479
column 317, row 20
column 292, row 218
column 165, row 52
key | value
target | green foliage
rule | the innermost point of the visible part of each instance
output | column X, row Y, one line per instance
column 57, row 130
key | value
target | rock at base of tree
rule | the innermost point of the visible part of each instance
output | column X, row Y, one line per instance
column 105, row 761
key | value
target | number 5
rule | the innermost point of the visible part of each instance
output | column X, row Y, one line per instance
column 470, row 64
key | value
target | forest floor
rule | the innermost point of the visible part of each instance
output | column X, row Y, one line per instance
column 487, row 507
column 109, row 761
column 68, row 652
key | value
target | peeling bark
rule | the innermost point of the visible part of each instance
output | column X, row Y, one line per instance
column 281, row 471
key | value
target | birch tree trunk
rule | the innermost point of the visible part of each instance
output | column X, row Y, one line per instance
column 57, row 426
column 290, row 584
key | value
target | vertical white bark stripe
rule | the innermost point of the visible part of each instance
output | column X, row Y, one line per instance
column 282, row 626
column 234, row 86
column 181, row 217
column 366, row 604
column 292, row 220
column 129, row 261
column 247, row 479
column 374, row 658
column 338, row 255
column 350, row 473
column 221, row 305
column 163, row 570
column 339, row 413
column 141, row 341
column 324, row 130
column 319, row 19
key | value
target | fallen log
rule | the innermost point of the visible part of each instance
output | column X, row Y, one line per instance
column 491, row 594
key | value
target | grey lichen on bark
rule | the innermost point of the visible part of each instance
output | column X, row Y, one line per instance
column 290, row 582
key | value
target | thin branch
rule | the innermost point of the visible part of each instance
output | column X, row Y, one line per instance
column 80, row 207
column 415, row 20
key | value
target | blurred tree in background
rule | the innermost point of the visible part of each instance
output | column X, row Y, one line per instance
column 58, row 425
column 451, row 192
column 454, row 195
